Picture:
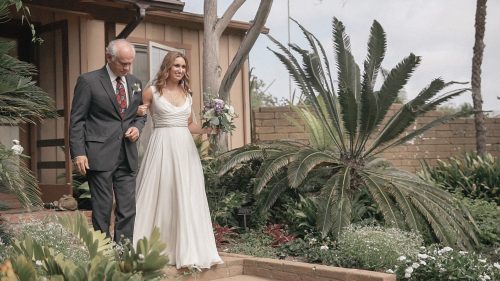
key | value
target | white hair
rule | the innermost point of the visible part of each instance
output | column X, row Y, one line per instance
column 112, row 48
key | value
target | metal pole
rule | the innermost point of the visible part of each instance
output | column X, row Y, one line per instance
column 289, row 77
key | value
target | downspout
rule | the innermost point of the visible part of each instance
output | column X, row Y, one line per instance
column 141, row 14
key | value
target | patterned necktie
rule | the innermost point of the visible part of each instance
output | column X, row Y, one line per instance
column 121, row 97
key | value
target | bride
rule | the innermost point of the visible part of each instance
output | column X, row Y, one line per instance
column 170, row 184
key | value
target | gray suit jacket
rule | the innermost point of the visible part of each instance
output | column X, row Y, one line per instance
column 96, row 128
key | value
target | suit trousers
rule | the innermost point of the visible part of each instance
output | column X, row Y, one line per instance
column 120, row 183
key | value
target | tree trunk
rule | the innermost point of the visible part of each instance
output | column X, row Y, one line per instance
column 211, row 67
column 212, row 31
column 477, row 59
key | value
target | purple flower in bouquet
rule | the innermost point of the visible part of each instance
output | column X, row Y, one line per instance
column 218, row 115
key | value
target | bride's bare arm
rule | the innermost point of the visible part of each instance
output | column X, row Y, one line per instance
column 147, row 98
column 196, row 128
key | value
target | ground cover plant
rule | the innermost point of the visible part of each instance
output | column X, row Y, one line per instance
column 347, row 134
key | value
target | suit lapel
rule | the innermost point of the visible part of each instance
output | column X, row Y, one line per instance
column 130, row 95
column 108, row 88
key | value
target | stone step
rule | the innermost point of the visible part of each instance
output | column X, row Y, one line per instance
column 243, row 278
column 232, row 266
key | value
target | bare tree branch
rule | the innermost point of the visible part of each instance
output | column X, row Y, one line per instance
column 223, row 22
column 245, row 47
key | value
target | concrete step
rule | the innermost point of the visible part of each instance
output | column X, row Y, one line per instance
column 243, row 278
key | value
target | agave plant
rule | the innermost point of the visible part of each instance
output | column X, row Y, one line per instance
column 350, row 134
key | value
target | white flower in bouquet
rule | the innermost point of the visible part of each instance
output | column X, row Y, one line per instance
column 218, row 115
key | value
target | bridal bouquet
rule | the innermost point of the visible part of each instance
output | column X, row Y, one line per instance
column 218, row 115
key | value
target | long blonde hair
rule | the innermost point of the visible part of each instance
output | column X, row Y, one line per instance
column 161, row 78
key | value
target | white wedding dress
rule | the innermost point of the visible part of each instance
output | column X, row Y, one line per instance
column 170, row 190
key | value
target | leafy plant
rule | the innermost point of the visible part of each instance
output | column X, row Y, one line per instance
column 143, row 263
column 223, row 234
column 300, row 215
column 348, row 134
column 435, row 264
column 487, row 218
column 255, row 243
column 472, row 176
column 278, row 234
column 375, row 248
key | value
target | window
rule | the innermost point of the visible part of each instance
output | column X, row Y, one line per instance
column 148, row 59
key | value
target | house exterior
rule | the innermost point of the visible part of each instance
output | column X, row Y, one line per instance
column 75, row 33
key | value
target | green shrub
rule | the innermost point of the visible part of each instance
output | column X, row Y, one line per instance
column 313, row 248
column 487, row 217
column 375, row 248
column 300, row 215
column 435, row 264
column 472, row 176
column 228, row 193
column 255, row 243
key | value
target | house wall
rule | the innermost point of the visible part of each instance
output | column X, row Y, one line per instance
column 443, row 141
column 86, row 42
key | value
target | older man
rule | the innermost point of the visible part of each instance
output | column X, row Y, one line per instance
column 104, row 127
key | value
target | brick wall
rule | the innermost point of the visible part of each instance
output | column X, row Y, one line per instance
column 443, row 141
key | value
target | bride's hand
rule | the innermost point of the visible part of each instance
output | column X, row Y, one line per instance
column 141, row 110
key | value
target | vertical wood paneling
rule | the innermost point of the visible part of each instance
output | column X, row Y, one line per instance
column 155, row 31
column 190, row 37
column 246, row 103
column 74, row 51
column 47, row 81
column 236, row 97
column 139, row 31
column 173, row 34
column 95, row 45
column 59, row 99
column 82, row 22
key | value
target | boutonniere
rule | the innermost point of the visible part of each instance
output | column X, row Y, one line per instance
column 136, row 88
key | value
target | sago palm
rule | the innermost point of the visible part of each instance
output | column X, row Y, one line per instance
column 21, row 100
column 349, row 135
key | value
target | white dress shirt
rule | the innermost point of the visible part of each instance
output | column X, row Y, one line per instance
column 113, row 77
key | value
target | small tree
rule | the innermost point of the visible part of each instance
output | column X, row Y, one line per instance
column 258, row 93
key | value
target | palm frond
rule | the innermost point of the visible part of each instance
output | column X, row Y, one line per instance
column 16, row 178
column 335, row 203
column 313, row 42
column 421, row 130
column 395, row 81
column 271, row 167
column 348, row 80
column 239, row 156
column 272, row 194
column 384, row 201
column 307, row 159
